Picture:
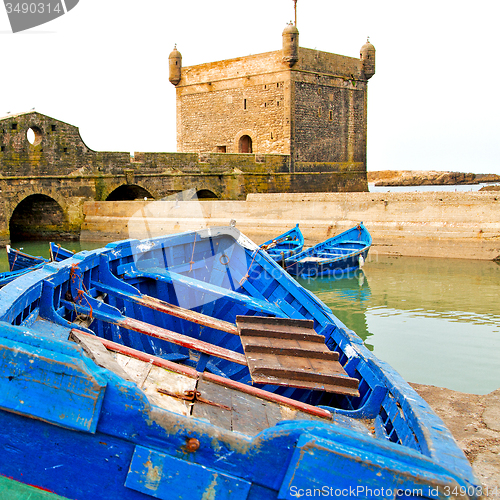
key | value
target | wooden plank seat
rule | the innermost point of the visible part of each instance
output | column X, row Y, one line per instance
column 171, row 309
column 224, row 402
column 282, row 351
column 315, row 259
column 293, row 355
column 161, row 333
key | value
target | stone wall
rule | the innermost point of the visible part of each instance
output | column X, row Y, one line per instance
column 59, row 165
column 314, row 111
column 449, row 225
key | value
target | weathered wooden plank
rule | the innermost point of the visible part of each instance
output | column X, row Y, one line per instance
column 232, row 384
column 291, row 335
column 299, row 351
column 148, row 358
column 292, row 361
column 102, row 357
column 171, row 309
column 218, row 394
column 249, row 416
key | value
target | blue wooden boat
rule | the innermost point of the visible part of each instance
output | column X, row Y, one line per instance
column 58, row 253
column 289, row 243
column 8, row 276
column 193, row 366
column 337, row 256
column 19, row 260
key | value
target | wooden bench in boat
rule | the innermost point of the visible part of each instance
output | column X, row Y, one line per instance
column 278, row 351
column 288, row 352
column 223, row 402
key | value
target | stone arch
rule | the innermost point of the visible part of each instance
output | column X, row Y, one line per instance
column 127, row 192
column 243, row 142
column 39, row 217
column 206, row 194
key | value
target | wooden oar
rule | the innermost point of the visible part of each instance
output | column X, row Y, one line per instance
column 172, row 310
column 161, row 333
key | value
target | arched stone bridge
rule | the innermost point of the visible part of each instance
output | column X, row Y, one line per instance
column 47, row 173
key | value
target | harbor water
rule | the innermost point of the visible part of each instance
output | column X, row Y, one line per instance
column 436, row 321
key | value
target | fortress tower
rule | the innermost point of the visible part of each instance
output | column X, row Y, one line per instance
column 300, row 102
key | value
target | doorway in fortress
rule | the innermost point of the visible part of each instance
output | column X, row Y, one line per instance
column 245, row 144
column 128, row 192
column 39, row 217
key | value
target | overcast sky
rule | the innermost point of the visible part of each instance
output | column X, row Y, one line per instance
column 433, row 102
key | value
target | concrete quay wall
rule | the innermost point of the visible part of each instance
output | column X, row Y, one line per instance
column 436, row 224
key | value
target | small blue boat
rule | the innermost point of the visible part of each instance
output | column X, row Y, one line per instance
column 193, row 366
column 58, row 253
column 289, row 243
column 8, row 276
column 337, row 256
column 19, row 260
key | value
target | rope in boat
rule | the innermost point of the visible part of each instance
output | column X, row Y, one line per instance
column 52, row 256
column 245, row 278
column 191, row 262
column 15, row 258
column 81, row 290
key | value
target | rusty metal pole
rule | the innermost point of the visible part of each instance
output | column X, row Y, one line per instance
column 295, row 9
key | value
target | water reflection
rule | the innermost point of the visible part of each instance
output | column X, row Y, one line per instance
column 347, row 297
column 436, row 321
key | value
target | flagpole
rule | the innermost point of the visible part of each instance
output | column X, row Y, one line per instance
column 295, row 8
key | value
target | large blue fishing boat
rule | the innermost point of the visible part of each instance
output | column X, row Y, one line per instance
column 193, row 366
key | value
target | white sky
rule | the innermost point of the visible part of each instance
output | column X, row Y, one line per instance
column 433, row 102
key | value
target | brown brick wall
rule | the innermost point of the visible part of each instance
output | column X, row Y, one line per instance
column 219, row 118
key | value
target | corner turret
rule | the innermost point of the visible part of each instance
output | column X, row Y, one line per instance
column 367, row 56
column 290, row 44
column 174, row 66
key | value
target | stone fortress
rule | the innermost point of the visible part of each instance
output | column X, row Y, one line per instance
column 303, row 103
column 288, row 121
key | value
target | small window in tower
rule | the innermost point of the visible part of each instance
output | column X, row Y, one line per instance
column 65, row 150
column 3, row 148
column 330, row 115
column 221, row 149
column 277, row 103
column 53, row 128
column 14, row 126
column 244, row 104
column 272, row 136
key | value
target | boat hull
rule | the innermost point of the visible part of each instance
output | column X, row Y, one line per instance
column 339, row 256
column 284, row 246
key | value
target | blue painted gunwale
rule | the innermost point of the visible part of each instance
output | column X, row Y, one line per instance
column 91, row 458
column 284, row 246
column 340, row 255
